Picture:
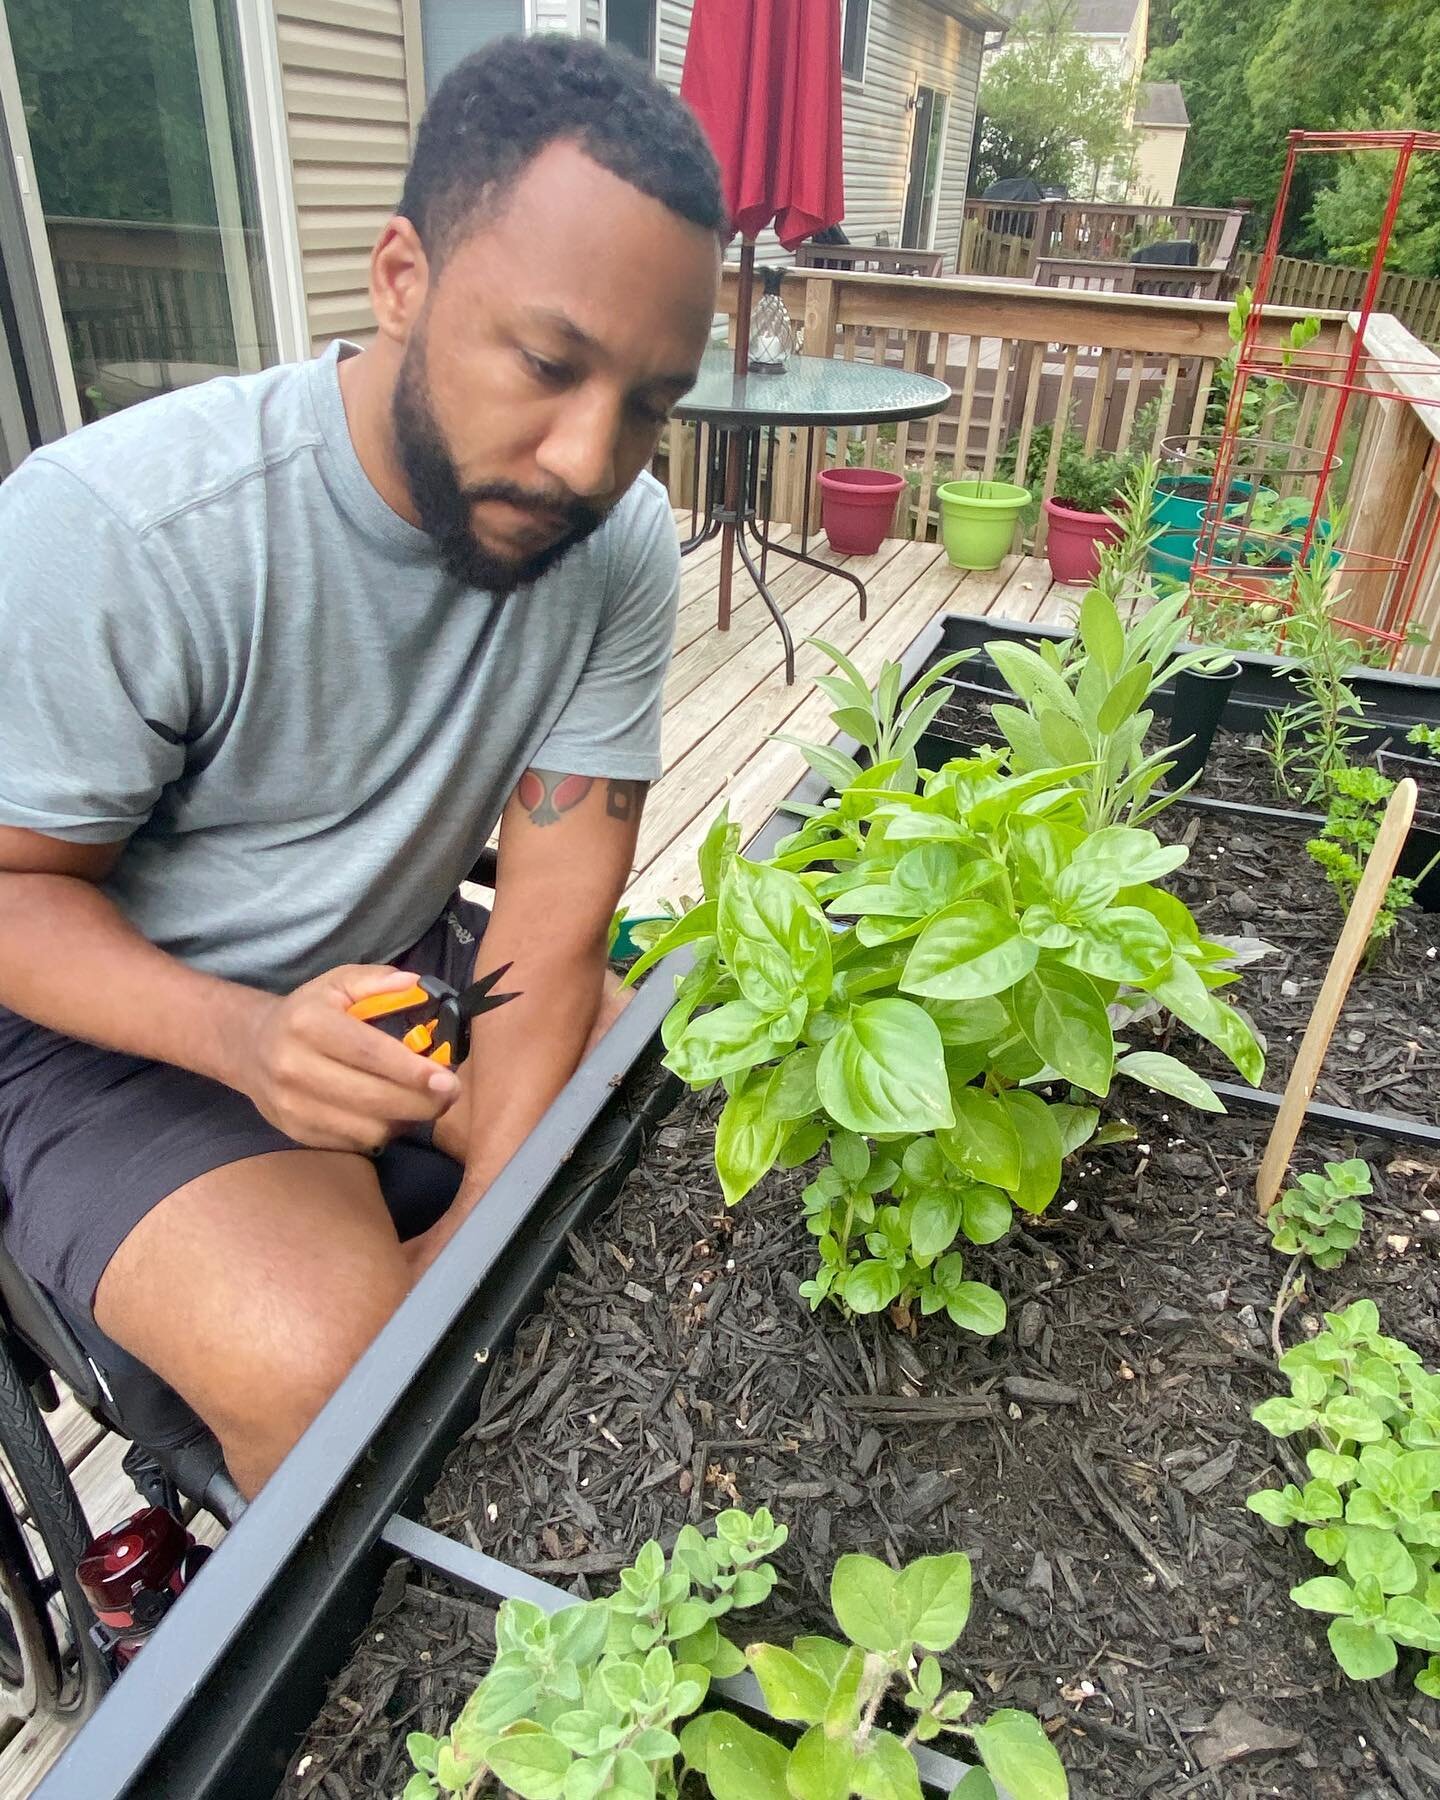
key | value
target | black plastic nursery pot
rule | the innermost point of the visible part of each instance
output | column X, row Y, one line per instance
column 221, row 1697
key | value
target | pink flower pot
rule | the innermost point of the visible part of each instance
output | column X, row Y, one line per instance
column 1074, row 541
column 857, row 507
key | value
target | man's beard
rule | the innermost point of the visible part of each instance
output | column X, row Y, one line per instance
column 444, row 506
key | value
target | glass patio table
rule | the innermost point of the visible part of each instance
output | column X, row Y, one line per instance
column 813, row 391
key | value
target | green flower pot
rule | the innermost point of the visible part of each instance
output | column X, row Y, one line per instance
column 977, row 521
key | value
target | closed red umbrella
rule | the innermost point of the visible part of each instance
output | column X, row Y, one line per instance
column 763, row 78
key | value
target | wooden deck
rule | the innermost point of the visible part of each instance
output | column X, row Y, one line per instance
column 725, row 698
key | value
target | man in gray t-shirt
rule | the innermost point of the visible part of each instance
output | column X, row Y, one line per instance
column 276, row 654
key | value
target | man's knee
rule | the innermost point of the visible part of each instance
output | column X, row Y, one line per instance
column 253, row 1292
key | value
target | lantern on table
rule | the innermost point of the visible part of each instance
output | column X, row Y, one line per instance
column 772, row 337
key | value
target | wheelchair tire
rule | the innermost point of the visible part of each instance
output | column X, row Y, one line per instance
column 32, row 1674
column 39, row 1473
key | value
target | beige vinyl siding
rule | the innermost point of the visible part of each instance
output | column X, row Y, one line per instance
column 910, row 41
column 347, row 111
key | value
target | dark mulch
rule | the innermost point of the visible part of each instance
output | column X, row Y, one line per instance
column 1093, row 1460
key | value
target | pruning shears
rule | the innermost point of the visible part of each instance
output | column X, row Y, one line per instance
column 444, row 1036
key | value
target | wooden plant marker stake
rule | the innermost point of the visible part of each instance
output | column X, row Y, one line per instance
column 1369, row 896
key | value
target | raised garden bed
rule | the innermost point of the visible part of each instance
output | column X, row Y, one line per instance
column 1093, row 1459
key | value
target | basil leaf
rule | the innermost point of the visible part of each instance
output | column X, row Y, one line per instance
column 884, row 1070
column 773, row 935
column 967, row 952
column 1063, row 1019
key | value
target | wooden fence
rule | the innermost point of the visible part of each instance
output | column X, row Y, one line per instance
column 1413, row 299
column 1007, row 238
column 1124, row 370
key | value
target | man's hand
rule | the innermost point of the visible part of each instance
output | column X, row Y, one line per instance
column 333, row 1082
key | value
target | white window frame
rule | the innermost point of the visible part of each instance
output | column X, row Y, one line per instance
column 654, row 63
column 946, row 99
column 852, row 80
column 275, row 187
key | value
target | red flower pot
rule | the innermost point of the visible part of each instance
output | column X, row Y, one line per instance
column 857, row 507
column 1074, row 541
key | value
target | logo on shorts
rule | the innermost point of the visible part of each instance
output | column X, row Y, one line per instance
column 461, row 933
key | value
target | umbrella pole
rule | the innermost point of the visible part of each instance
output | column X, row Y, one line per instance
column 733, row 461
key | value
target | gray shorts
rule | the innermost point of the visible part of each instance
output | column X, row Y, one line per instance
column 91, row 1140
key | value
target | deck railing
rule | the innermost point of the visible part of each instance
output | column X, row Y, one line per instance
column 1125, row 370
column 1007, row 237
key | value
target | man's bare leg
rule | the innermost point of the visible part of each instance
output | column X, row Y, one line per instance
column 253, row 1290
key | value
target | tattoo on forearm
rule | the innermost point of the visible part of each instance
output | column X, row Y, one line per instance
column 546, row 796
column 623, row 800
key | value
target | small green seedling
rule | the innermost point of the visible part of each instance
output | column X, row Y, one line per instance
column 896, row 1622
column 1321, row 1216
column 1370, row 1506
column 1356, row 797
column 1426, row 737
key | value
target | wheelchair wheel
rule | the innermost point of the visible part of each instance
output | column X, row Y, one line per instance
column 79, row 1675
column 31, row 1672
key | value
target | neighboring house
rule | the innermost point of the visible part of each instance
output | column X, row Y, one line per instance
column 911, row 70
column 1115, row 34
column 194, row 186
column 1162, row 126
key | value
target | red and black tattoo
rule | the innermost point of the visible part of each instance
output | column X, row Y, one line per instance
column 546, row 795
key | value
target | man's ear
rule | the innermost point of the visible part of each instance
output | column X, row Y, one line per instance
column 399, row 278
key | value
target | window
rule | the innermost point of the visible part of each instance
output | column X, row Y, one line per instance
column 451, row 29
column 141, row 157
column 630, row 24
column 854, row 38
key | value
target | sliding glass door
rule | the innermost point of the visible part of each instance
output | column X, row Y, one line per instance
column 139, row 150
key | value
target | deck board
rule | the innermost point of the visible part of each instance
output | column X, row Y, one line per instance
column 725, row 699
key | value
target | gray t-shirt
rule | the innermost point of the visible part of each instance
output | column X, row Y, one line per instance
column 218, row 642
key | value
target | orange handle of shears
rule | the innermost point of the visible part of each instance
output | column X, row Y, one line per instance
column 378, row 1005
column 418, row 1038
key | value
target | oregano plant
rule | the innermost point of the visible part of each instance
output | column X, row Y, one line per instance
column 1372, row 1505
column 931, row 982
column 581, row 1702
column 590, row 1700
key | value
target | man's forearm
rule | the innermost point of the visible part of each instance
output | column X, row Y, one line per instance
column 69, row 960
column 522, row 1054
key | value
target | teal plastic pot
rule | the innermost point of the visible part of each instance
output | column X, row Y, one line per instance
column 1172, row 555
column 626, row 949
column 977, row 521
column 1177, row 509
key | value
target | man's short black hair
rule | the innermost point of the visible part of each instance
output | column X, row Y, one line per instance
column 495, row 112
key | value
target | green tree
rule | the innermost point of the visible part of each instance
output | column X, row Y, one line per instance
column 1253, row 70
column 1347, row 214
column 1048, row 111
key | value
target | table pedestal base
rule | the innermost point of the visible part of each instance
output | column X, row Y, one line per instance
column 733, row 489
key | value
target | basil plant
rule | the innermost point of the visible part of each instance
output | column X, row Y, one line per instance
column 930, row 985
